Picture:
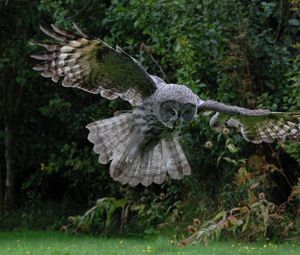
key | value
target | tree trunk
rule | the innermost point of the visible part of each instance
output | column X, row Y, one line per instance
column 13, row 95
column 1, row 189
column 9, row 198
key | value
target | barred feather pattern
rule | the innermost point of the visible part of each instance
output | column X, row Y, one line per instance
column 153, row 165
column 136, row 157
column 93, row 66
column 275, row 126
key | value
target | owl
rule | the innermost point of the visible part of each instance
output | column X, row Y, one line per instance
column 142, row 144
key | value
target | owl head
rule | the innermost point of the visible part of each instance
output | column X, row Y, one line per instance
column 175, row 104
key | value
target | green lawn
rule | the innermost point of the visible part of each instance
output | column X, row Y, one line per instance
column 54, row 243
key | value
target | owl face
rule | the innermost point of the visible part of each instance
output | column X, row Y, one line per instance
column 173, row 113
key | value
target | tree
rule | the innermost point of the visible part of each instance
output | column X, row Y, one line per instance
column 14, row 68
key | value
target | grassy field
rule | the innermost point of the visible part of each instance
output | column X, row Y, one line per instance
column 54, row 243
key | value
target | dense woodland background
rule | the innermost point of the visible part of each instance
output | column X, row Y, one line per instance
column 238, row 52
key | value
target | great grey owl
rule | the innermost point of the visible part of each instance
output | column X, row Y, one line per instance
column 142, row 144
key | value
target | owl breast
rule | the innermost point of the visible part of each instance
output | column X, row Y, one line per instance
column 149, row 127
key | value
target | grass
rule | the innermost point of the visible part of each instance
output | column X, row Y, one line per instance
column 54, row 243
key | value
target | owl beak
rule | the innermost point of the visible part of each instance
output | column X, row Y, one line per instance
column 176, row 121
column 175, row 124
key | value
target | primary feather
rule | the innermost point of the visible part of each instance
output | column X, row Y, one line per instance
column 274, row 126
column 94, row 66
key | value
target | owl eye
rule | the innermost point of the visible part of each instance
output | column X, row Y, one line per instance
column 172, row 112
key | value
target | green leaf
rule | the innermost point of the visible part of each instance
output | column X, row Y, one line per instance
column 231, row 160
column 294, row 22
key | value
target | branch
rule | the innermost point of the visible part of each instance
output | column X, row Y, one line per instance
column 149, row 51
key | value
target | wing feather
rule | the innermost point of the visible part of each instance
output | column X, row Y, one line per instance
column 256, row 126
column 92, row 65
column 275, row 126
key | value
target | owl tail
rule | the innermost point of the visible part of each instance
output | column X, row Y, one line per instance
column 116, row 139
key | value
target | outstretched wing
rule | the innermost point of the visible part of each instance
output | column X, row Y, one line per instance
column 256, row 126
column 92, row 65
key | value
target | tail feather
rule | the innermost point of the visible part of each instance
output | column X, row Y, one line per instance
column 147, row 173
column 153, row 166
column 109, row 145
column 164, row 156
column 185, row 167
column 176, row 171
column 132, row 177
column 113, row 142
column 108, row 134
column 126, row 168
column 156, row 164
column 118, row 140
column 114, row 122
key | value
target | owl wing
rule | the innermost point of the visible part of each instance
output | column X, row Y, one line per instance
column 92, row 65
column 256, row 126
